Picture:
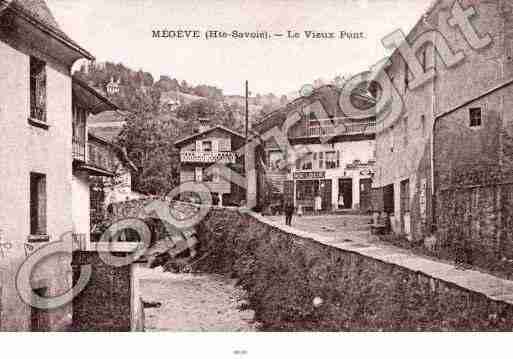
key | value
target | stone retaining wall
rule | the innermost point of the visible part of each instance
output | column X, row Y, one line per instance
column 299, row 281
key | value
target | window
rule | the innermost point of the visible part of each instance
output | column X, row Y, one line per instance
column 307, row 162
column 392, row 138
column 207, row 146
column 406, row 76
column 331, row 160
column 79, row 133
column 321, row 160
column 509, row 50
column 423, row 59
column 37, row 204
column 475, row 116
column 405, row 196
column 423, row 124
column 37, row 90
column 198, row 174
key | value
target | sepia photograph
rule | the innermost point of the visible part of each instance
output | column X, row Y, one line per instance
column 264, row 169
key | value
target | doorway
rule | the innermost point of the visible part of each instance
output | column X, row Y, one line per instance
column 365, row 194
column 325, row 191
column 388, row 199
column 345, row 190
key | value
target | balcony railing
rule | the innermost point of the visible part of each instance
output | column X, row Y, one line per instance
column 99, row 157
column 207, row 157
column 79, row 149
column 338, row 128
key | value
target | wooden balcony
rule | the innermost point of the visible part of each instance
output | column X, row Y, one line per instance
column 207, row 157
column 79, row 149
column 97, row 160
column 337, row 127
column 100, row 157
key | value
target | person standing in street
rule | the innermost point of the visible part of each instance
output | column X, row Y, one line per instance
column 288, row 208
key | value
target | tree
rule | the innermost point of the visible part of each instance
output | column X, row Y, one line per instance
column 149, row 143
column 218, row 113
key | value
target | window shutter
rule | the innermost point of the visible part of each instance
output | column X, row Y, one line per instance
column 215, row 145
column 199, row 146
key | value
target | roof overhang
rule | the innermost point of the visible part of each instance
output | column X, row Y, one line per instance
column 91, row 169
column 21, row 26
column 90, row 99
column 222, row 128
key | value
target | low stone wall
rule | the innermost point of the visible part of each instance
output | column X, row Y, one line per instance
column 294, row 282
column 111, row 299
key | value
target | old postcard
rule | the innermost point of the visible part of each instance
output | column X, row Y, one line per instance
column 256, row 166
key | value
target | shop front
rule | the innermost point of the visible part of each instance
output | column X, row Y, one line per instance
column 348, row 189
column 312, row 185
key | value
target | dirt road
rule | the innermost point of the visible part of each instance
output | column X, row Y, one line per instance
column 191, row 302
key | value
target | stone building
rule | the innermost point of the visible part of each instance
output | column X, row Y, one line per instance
column 461, row 50
column 473, row 177
column 198, row 154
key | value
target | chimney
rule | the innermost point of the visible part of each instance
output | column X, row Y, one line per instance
column 204, row 124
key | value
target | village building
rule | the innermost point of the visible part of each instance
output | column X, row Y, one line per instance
column 87, row 160
column 36, row 150
column 113, row 87
column 201, row 151
column 473, row 178
column 408, row 186
column 49, row 159
column 329, row 156
column 114, row 184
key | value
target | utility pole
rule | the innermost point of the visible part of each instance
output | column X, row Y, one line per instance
column 247, row 112
column 249, row 162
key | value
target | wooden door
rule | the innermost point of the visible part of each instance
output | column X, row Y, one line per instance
column 345, row 188
column 326, row 192
column 365, row 194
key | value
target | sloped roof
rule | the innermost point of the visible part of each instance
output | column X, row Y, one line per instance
column 38, row 11
column 328, row 94
column 107, row 117
column 218, row 127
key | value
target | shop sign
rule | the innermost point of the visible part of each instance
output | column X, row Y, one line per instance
column 309, row 175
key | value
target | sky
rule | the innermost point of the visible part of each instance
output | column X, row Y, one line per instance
column 121, row 31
